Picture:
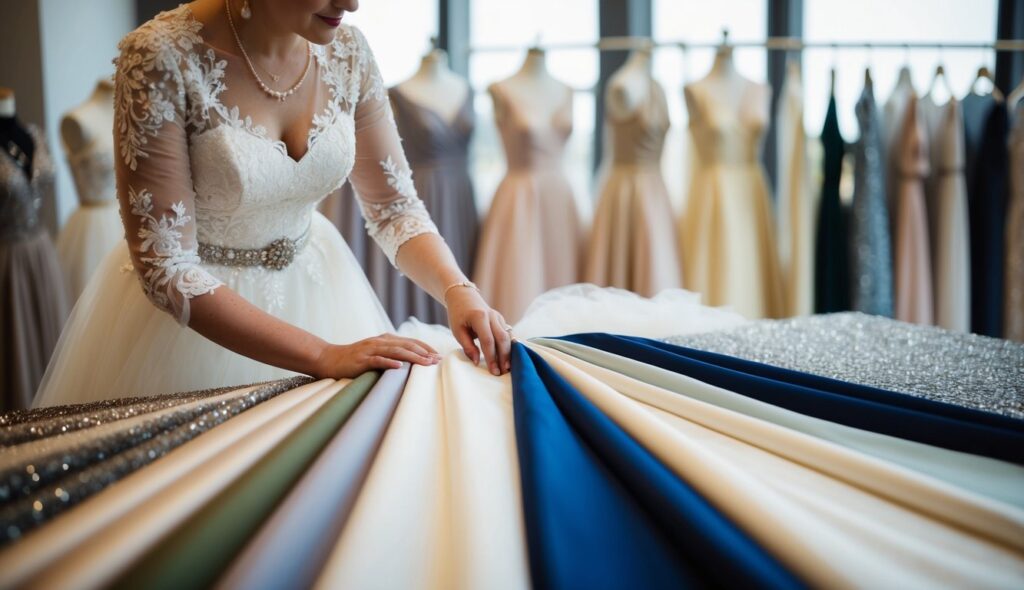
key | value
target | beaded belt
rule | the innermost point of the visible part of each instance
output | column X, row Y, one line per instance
column 276, row 255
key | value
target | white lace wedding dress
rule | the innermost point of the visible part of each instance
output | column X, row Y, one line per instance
column 201, row 186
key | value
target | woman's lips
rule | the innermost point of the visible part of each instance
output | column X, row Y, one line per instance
column 329, row 21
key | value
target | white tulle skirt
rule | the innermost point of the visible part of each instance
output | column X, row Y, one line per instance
column 90, row 233
column 118, row 344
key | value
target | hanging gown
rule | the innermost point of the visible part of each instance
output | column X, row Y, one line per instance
column 870, row 242
column 987, row 210
column 726, row 234
column 1014, row 304
column 914, row 301
column 948, row 207
column 200, row 184
column 95, row 227
column 831, row 256
column 796, row 206
column 33, row 297
column 976, row 108
column 531, row 240
column 437, row 152
column 633, row 238
column 894, row 113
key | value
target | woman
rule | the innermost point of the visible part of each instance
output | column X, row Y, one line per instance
column 233, row 119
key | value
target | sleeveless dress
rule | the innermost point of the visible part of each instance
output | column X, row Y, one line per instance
column 33, row 298
column 200, row 183
column 93, row 229
column 727, row 231
column 532, row 239
column 632, row 240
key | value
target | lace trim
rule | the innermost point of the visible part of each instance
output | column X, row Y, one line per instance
column 397, row 221
column 172, row 274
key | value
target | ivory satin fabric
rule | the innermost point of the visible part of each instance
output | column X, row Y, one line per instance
column 633, row 237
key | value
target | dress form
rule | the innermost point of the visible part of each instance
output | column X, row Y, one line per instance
column 533, row 89
column 727, row 87
column 434, row 86
column 630, row 85
column 94, row 228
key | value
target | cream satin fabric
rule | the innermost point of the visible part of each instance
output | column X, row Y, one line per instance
column 441, row 506
column 994, row 479
column 784, row 489
column 97, row 563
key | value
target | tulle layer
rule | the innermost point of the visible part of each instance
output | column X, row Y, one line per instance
column 118, row 344
column 87, row 237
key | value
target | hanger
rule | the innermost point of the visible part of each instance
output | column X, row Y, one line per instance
column 868, row 82
column 832, row 71
column 986, row 74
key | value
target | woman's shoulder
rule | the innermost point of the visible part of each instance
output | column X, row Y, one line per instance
column 172, row 31
column 357, row 68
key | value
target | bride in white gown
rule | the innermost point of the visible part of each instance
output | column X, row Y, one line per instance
column 218, row 179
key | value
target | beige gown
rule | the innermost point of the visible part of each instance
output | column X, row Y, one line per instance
column 726, row 233
column 1014, row 282
column 633, row 240
column 914, row 300
column 531, row 240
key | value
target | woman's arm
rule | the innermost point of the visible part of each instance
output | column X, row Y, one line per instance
column 155, row 193
column 398, row 221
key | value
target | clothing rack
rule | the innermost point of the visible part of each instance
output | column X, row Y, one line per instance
column 770, row 43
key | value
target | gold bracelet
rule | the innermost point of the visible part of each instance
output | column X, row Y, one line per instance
column 468, row 284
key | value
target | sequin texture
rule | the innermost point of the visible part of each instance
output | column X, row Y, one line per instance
column 924, row 361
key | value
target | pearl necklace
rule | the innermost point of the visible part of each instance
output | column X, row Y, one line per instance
column 281, row 96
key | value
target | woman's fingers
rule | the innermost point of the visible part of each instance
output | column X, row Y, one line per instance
column 484, row 333
column 464, row 336
column 405, row 351
column 418, row 345
column 381, row 362
column 502, row 341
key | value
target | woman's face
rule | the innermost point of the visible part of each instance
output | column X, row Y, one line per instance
column 315, row 20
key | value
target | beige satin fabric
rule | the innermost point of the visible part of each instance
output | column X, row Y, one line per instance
column 633, row 237
column 913, row 265
column 441, row 506
column 830, row 532
column 97, row 563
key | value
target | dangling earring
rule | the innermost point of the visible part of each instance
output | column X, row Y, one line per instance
column 245, row 12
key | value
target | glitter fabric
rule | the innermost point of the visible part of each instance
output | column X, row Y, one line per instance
column 16, row 417
column 45, row 502
column 64, row 422
column 963, row 369
column 37, row 464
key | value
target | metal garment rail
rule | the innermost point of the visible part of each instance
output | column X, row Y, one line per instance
column 771, row 44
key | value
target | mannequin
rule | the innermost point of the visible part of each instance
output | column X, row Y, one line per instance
column 434, row 86
column 726, row 235
column 33, row 301
column 534, row 91
column 95, row 227
column 90, row 122
column 726, row 86
column 14, row 138
column 630, row 84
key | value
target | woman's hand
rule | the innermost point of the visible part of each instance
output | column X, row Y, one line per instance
column 387, row 351
column 469, row 318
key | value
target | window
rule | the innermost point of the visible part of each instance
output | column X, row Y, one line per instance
column 693, row 21
column 397, row 43
column 500, row 34
column 895, row 21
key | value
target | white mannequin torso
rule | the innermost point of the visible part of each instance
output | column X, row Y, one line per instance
column 536, row 94
column 435, row 87
column 90, row 123
column 630, row 85
column 727, row 87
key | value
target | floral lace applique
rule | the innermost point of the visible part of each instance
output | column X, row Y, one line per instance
column 396, row 221
column 172, row 275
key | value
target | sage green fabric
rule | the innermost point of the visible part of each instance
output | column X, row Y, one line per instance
column 199, row 549
column 998, row 480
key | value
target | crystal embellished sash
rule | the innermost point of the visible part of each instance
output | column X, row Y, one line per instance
column 276, row 255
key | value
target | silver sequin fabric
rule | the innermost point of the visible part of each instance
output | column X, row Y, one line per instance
column 963, row 369
column 104, row 462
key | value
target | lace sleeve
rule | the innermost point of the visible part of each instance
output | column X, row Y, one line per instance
column 381, row 176
column 154, row 184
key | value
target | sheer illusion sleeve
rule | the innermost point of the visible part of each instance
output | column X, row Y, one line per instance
column 154, row 183
column 381, row 176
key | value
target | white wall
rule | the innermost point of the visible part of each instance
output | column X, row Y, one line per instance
column 78, row 41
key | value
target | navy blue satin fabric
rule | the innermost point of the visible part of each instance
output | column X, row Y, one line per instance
column 602, row 512
column 868, row 408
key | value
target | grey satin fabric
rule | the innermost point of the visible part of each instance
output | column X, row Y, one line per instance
column 870, row 241
column 292, row 546
column 437, row 152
